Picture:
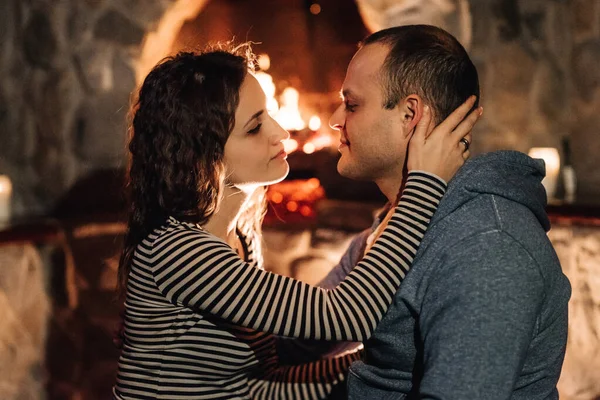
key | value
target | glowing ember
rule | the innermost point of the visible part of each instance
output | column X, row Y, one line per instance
column 292, row 206
column 294, row 200
column 314, row 123
column 306, row 211
column 276, row 197
column 313, row 183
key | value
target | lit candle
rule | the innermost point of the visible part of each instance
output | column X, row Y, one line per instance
column 5, row 194
column 552, row 161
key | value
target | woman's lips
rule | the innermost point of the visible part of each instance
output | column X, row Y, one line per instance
column 281, row 154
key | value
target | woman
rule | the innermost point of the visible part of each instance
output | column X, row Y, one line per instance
column 202, row 150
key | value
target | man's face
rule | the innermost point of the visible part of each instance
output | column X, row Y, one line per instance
column 373, row 139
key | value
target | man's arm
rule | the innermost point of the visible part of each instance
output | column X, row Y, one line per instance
column 478, row 319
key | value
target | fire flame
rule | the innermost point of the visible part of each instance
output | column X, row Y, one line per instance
column 287, row 114
column 314, row 123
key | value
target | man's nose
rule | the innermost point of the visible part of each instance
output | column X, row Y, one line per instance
column 337, row 118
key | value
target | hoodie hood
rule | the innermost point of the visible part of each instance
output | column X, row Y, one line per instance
column 509, row 174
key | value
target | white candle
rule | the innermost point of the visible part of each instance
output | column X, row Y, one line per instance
column 552, row 161
column 5, row 194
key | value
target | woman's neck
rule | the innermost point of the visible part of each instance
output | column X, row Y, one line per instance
column 223, row 223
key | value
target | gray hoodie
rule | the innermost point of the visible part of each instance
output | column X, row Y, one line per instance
column 482, row 314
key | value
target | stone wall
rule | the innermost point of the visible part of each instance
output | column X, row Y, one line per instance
column 66, row 74
column 536, row 59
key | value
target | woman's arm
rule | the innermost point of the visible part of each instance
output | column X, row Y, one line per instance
column 310, row 381
column 194, row 269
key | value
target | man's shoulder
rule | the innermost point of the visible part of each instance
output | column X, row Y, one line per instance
column 484, row 213
column 486, row 226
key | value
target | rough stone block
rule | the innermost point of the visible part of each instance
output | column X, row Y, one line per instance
column 578, row 249
column 101, row 138
column 506, row 14
column 94, row 64
column 583, row 17
column 585, row 145
column 24, row 312
column 117, row 28
column 142, row 11
column 509, row 75
column 39, row 41
column 585, row 67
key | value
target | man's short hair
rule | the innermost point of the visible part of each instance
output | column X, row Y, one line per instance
column 428, row 61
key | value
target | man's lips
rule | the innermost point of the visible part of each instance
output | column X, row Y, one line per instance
column 344, row 141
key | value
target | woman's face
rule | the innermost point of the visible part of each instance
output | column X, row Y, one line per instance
column 254, row 154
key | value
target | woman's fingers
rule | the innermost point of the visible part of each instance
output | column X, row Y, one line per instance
column 431, row 126
column 447, row 146
column 456, row 118
column 422, row 128
column 465, row 127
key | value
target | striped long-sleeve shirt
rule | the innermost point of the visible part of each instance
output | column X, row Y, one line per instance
column 188, row 292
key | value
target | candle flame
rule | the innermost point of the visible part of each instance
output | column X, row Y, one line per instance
column 5, row 184
column 552, row 160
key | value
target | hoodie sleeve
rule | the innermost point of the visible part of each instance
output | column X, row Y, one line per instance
column 478, row 318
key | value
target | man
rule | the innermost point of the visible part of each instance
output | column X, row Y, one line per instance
column 482, row 314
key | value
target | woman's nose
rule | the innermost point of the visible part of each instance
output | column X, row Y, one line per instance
column 279, row 133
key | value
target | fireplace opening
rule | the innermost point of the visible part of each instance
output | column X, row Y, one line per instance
column 303, row 49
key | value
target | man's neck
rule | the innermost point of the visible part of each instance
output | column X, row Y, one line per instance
column 223, row 223
column 390, row 186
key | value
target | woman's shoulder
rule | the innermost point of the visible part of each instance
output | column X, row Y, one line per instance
column 178, row 240
column 175, row 230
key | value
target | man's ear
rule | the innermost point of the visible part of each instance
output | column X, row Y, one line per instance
column 413, row 111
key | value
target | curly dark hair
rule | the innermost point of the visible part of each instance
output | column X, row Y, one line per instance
column 182, row 118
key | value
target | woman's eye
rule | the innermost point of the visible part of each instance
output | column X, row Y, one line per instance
column 255, row 130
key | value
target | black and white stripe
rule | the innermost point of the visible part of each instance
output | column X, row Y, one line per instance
column 194, row 309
